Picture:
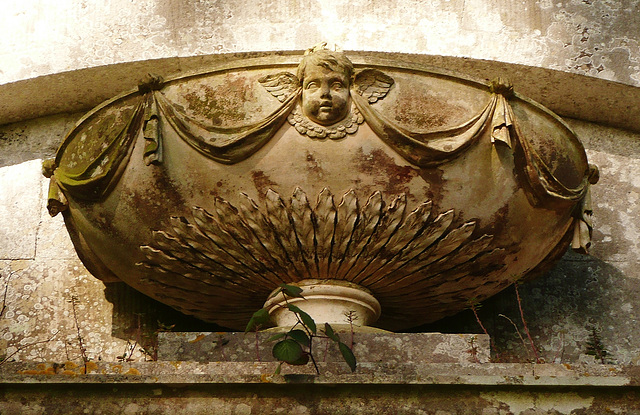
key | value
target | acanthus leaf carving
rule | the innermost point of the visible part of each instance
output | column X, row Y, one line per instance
column 377, row 246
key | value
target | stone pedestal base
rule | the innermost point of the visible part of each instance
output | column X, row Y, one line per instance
column 326, row 301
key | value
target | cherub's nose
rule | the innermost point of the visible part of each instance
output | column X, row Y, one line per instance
column 325, row 91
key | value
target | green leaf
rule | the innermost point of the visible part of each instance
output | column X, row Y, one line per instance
column 291, row 290
column 306, row 318
column 288, row 351
column 259, row 318
column 300, row 336
column 304, row 359
column 275, row 337
column 277, row 372
column 348, row 356
column 328, row 330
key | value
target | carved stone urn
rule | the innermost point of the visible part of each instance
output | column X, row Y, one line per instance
column 386, row 189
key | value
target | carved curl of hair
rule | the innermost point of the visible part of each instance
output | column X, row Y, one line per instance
column 335, row 61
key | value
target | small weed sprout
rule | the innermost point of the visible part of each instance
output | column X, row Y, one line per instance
column 475, row 305
column 595, row 346
column 473, row 349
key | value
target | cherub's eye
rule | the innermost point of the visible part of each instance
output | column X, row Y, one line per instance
column 336, row 86
column 313, row 84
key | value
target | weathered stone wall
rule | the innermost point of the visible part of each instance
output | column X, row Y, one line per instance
column 594, row 38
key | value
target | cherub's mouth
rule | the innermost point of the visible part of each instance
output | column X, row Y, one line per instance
column 326, row 104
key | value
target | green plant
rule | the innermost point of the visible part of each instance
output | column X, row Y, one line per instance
column 595, row 346
column 295, row 346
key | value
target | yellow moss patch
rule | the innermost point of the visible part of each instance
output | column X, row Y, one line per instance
column 88, row 368
column 70, row 365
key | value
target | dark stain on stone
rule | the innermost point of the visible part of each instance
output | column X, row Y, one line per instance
column 389, row 177
column 497, row 222
column 433, row 178
column 416, row 110
column 160, row 201
column 223, row 105
column 262, row 182
column 313, row 166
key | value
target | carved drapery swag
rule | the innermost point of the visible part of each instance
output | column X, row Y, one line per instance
column 91, row 169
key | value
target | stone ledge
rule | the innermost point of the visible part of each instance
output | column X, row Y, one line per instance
column 185, row 373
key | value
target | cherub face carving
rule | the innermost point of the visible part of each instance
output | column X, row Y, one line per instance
column 325, row 95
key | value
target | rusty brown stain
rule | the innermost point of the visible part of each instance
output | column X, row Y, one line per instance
column 497, row 223
column 433, row 178
column 157, row 200
column 565, row 171
column 396, row 177
column 313, row 165
column 262, row 182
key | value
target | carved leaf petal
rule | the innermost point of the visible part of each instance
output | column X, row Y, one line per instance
column 265, row 234
column 304, row 225
column 443, row 247
column 391, row 220
column 279, row 218
column 160, row 260
column 181, row 251
column 167, row 281
column 434, row 230
column 406, row 233
column 326, row 214
column 459, row 264
column 346, row 222
column 248, row 248
column 230, row 253
column 371, row 215
column 191, row 236
column 462, row 255
column 408, row 230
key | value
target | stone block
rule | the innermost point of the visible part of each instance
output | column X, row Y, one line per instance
column 20, row 205
column 391, row 348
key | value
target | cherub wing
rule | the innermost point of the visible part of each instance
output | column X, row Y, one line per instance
column 280, row 85
column 372, row 84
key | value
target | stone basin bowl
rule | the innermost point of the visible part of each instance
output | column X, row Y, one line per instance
column 207, row 191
